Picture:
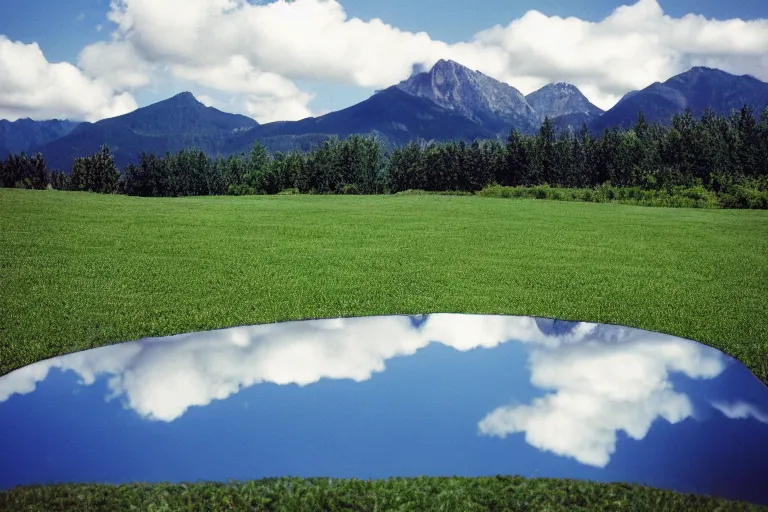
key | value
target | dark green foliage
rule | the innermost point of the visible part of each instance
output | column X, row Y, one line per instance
column 20, row 171
column 727, row 155
column 500, row 493
column 716, row 152
column 517, row 161
column 60, row 180
column 676, row 197
column 95, row 173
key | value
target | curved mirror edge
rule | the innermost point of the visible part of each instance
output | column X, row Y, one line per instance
column 373, row 397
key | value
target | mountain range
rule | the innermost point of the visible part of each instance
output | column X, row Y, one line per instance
column 448, row 102
column 22, row 134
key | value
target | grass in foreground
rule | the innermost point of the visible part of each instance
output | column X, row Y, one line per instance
column 81, row 270
column 402, row 494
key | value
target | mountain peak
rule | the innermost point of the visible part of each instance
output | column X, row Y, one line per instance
column 482, row 99
column 181, row 113
column 447, row 64
column 699, row 75
column 185, row 97
column 698, row 89
column 560, row 99
column 562, row 87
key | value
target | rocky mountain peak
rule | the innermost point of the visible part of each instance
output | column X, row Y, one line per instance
column 473, row 94
column 561, row 99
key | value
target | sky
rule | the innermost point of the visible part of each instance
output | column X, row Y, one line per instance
column 277, row 60
column 385, row 396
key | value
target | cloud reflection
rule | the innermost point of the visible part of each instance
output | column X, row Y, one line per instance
column 618, row 379
column 741, row 410
column 161, row 378
column 601, row 378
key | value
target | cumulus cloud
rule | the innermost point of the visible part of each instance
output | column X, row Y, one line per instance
column 206, row 100
column 741, row 410
column 257, row 50
column 601, row 379
column 278, row 42
column 162, row 378
column 267, row 96
column 617, row 380
column 116, row 64
column 30, row 86
column 87, row 364
column 630, row 49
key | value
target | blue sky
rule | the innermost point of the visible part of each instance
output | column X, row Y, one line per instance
column 377, row 400
column 63, row 29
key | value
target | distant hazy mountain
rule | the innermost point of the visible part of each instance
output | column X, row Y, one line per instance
column 494, row 105
column 564, row 104
column 698, row 89
column 23, row 134
column 170, row 125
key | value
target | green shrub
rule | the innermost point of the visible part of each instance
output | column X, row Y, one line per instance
column 350, row 189
column 739, row 196
column 241, row 190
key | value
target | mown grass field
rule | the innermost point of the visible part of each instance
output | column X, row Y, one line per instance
column 80, row 270
column 502, row 494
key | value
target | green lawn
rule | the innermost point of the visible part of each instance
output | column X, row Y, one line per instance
column 80, row 270
column 502, row 494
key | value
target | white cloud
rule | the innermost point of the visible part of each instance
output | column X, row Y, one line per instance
column 601, row 387
column 266, row 96
column 315, row 40
column 741, row 410
column 32, row 86
column 602, row 379
column 466, row 332
column 87, row 364
column 162, row 378
column 207, row 100
column 257, row 50
column 630, row 49
column 115, row 64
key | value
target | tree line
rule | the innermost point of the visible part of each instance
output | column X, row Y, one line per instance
column 712, row 151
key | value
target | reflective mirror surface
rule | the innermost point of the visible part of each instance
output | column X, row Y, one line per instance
column 442, row 394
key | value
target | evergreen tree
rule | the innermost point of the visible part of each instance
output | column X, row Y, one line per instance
column 96, row 173
column 762, row 142
column 517, row 168
column 748, row 146
column 38, row 172
column 583, row 161
column 544, row 156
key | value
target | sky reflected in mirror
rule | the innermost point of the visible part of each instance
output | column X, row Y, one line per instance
column 442, row 394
